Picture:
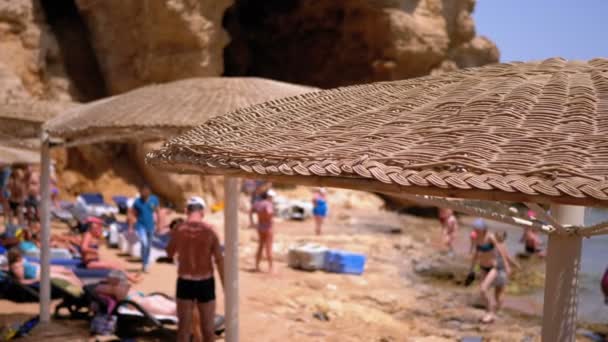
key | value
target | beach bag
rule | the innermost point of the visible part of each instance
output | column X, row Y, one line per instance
column 19, row 330
column 103, row 324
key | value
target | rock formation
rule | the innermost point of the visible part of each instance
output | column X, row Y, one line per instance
column 142, row 42
column 84, row 50
column 335, row 43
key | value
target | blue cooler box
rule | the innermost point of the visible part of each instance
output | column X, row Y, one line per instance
column 344, row 262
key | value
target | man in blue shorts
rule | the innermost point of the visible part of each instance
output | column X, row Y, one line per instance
column 143, row 212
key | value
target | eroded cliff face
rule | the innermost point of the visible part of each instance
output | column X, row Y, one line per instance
column 335, row 43
column 87, row 49
column 142, row 42
column 30, row 60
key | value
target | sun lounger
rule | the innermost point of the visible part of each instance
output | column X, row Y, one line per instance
column 14, row 291
column 114, row 230
column 131, row 315
column 67, row 262
column 85, row 273
column 94, row 205
column 129, row 244
column 56, row 253
column 63, row 213
column 122, row 202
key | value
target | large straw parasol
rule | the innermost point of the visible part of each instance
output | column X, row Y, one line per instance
column 530, row 132
column 23, row 119
column 12, row 155
column 524, row 131
column 162, row 110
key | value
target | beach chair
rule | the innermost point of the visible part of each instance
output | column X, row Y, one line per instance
column 94, row 205
column 132, row 317
column 76, row 301
column 115, row 229
column 129, row 244
column 63, row 213
column 122, row 203
column 14, row 291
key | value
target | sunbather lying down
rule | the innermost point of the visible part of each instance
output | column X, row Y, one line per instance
column 28, row 273
column 117, row 287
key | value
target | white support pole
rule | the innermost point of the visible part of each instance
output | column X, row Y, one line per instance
column 561, row 277
column 231, row 265
column 45, row 236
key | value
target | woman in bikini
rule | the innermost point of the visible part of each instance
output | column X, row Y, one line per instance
column 265, row 213
column 89, row 249
column 494, row 272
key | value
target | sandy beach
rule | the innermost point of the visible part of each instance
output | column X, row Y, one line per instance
column 389, row 302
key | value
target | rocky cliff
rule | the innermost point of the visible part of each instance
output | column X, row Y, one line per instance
column 84, row 50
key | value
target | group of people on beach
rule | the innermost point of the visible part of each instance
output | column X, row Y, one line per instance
column 20, row 193
column 193, row 242
column 489, row 252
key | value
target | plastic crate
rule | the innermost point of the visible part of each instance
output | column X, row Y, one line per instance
column 337, row 261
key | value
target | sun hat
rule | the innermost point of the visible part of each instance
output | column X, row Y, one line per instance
column 196, row 200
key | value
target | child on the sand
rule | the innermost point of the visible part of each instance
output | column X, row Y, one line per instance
column 449, row 226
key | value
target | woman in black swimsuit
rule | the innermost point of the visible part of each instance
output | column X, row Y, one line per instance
column 494, row 273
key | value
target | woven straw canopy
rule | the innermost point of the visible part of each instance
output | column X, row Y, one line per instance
column 534, row 132
column 162, row 110
column 24, row 119
column 10, row 155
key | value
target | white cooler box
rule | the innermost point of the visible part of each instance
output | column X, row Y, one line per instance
column 309, row 257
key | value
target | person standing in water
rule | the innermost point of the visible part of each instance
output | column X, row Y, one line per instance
column 494, row 272
column 532, row 242
column 319, row 211
column 449, row 226
column 264, row 211
column 197, row 247
column 142, row 217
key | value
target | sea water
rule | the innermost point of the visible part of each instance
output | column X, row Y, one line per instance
column 593, row 264
column 594, row 260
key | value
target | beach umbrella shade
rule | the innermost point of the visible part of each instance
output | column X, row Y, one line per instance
column 163, row 110
column 23, row 119
column 160, row 111
column 12, row 155
column 20, row 130
column 527, row 132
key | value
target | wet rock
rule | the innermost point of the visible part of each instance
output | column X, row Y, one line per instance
column 442, row 268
